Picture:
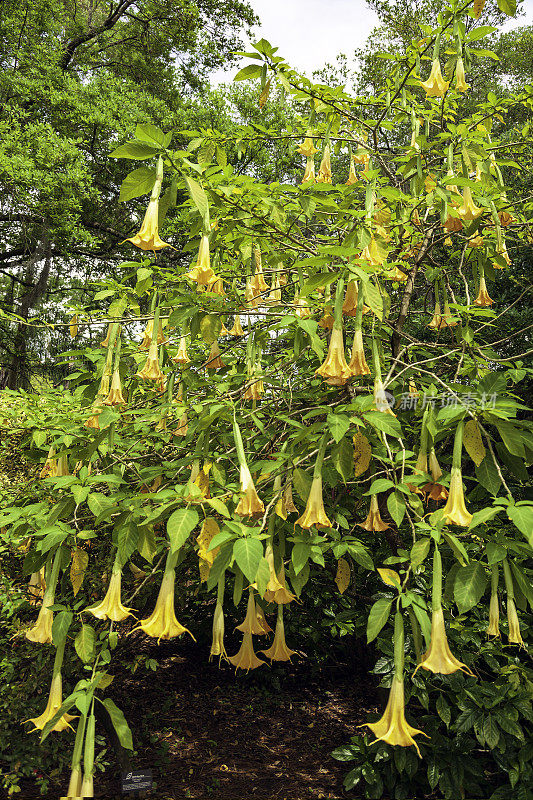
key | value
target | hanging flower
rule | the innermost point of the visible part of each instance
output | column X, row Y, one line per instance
column 201, row 272
column 515, row 637
column 41, row 632
column 279, row 650
column 326, row 320
column 216, row 287
column 358, row 365
column 309, row 174
column 49, row 469
column 352, row 174
column 36, row 587
column 506, row 218
column 307, row 148
column 181, row 356
column 393, row 728
column 314, row 513
column 262, row 620
column 483, row 299
column 335, row 369
column 111, row 606
column 324, row 173
column 274, row 296
column 258, row 283
column 254, row 390
column 349, row 307
column 301, row 307
column 455, row 512
column 217, row 643
column 460, row 80
column 246, row 658
column 251, row 622
column 249, row 505
column 436, row 491
column 249, row 295
column 373, row 522
column 74, row 786
column 162, row 623
column 151, row 370
column 236, row 330
column 468, row 211
column 436, row 321
column 115, row 397
column 148, row 335
column 494, row 616
column 55, row 701
column 452, row 223
column 148, row 237
column 439, row 658
column 435, row 86
column 380, row 398
column 92, row 421
column 214, row 360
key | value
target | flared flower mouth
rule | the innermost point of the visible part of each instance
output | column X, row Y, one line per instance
column 151, row 370
column 111, row 606
column 314, row 513
column 246, row 657
column 455, row 511
column 41, row 632
column 249, row 505
column 55, row 701
column 335, row 369
column 393, row 728
column 162, row 623
column 435, row 86
column 148, row 237
column 439, row 658
column 373, row 522
column 279, row 650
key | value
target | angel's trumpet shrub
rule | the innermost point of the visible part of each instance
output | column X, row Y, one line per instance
column 483, row 299
column 162, row 623
column 435, row 86
column 151, row 370
column 309, row 174
column 468, row 211
column 314, row 513
column 249, row 504
column 251, row 622
column 258, row 283
column 55, row 701
column 514, row 636
column 460, row 79
column 494, row 607
column 181, row 356
column 373, row 522
column 246, row 657
column 324, row 173
column 115, row 396
column 436, row 491
column 201, row 272
column 279, row 650
column 439, row 658
column 455, row 511
column 111, row 606
column 393, row 728
column 148, row 236
column 217, row 642
column 49, row 469
column 236, row 329
column 358, row 365
column 41, row 632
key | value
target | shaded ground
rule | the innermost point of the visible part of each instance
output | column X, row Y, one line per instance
column 208, row 733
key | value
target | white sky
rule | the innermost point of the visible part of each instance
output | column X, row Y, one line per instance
column 310, row 33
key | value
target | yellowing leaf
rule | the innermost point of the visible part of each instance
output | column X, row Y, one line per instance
column 80, row 559
column 478, row 7
column 264, row 94
column 390, row 577
column 206, row 556
column 342, row 578
column 362, row 453
column 473, row 443
column 73, row 328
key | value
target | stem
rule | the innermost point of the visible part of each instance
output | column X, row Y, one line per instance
column 436, row 596
column 399, row 646
column 458, row 446
column 317, row 472
column 338, row 304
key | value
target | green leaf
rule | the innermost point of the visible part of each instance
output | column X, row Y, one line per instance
column 262, row 576
column 342, row 457
column 522, row 518
column 485, row 515
column 60, row 626
column 310, row 327
column 139, row 182
column 137, row 151
column 128, row 539
column 380, row 485
column 512, row 438
column 80, row 493
column 507, row 7
column 302, row 483
column 480, row 32
column 98, row 503
column 199, row 199
column 179, row 526
column 321, row 279
column 360, row 554
column 495, row 552
column 339, row 424
column 300, row 556
column 523, row 583
column 470, row 584
column 488, row 477
column 248, row 554
column 444, row 710
column 383, row 422
column 118, row 720
column 210, row 327
column 250, row 71
column 419, row 551
column 490, row 728
column 85, row 643
column 373, row 299
column 219, row 506
column 152, row 135
column 378, row 616
column 396, row 506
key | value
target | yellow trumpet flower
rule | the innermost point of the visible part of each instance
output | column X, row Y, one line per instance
column 181, row 356
column 258, row 283
column 201, row 272
column 455, row 511
column 439, row 658
column 301, row 307
column 162, row 623
column 49, row 469
column 349, row 307
column 148, row 237
column 373, row 522
column 352, row 174
column 151, row 370
column 41, row 632
column 324, row 173
column 115, row 397
column 435, row 86
column 515, row 637
column 393, row 728
column 111, row 606
column 314, row 513
column 468, row 211
column 254, row 391
column 249, row 505
column 435, row 490
column 279, row 650
column 252, row 623
column 246, row 658
column 217, row 643
column 494, row 616
column 326, row 320
column 460, row 80
column 36, row 587
column 55, row 701
column 483, row 299
column 358, row 365
column 335, row 369
column 148, row 335
column 307, row 148
column 236, row 330
column 214, row 361
column 380, row 398
column 309, row 174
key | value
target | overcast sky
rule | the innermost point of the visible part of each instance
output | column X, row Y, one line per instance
column 310, row 33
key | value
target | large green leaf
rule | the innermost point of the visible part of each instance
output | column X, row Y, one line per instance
column 470, row 585
column 152, row 135
column 507, row 7
column 339, row 425
column 199, row 199
column 118, row 720
column 179, row 526
column 137, row 151
column 522, row 517
column 378, row 616
column 342, row 457
column 85, row 643
column 137, row 183
column 248, row 554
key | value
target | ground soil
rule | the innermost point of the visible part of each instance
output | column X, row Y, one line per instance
column 208, row 733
